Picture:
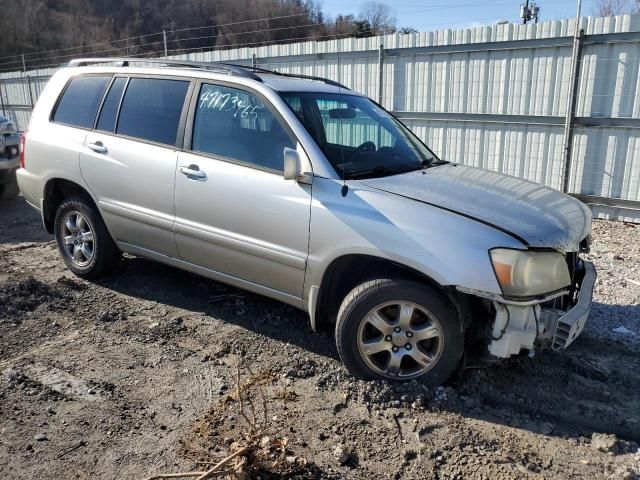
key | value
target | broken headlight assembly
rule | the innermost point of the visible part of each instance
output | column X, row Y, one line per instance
column 524, row 273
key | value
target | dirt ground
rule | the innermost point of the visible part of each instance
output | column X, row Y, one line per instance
column 134, row 375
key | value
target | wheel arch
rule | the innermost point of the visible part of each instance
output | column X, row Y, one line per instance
column 347, row 271
column 56, row 190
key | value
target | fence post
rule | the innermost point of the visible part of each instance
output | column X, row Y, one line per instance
column 571, row 109
column 578, row 38
column 28, row 79
column 380, row 72
column 2, row 99
column 30, row 92
column 164, row 41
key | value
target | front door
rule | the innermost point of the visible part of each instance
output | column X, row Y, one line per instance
column 235, row 213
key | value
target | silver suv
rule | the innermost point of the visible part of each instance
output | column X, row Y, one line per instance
column 302, row 190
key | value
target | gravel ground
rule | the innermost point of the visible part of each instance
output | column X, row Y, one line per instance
column 135, row 375
column 616, row 252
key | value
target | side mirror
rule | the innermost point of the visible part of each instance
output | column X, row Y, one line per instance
column 291, row 164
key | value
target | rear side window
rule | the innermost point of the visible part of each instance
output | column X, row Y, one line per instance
column 151, row 109
column 107, row 120
column 79, row 103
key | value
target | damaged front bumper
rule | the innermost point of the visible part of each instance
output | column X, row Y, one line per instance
column 519, row 326
column 566, row 326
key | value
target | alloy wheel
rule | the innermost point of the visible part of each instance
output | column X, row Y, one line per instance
column 77, row 238
column 400, row 340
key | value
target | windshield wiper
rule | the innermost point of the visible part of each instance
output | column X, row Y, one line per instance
column 383, row 170
column 377, row 171
column 432, row 162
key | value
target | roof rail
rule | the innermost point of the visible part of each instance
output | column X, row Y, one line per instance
column 292, row 75
column 245, row 71
column 229, row 69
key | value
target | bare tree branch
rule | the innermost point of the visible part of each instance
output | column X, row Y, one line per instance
column 609, row 8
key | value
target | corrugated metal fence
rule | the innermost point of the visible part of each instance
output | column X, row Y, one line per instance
column 494, row 97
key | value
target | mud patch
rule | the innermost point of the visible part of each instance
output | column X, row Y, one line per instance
column 30, row 386
column 67, row 384
column 577, row 391
column 19, row 298
column 160, row 331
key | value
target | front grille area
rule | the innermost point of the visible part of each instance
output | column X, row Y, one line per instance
column 576, row 272
column 585, row 244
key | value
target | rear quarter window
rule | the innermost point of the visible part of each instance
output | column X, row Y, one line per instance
column 79, row 102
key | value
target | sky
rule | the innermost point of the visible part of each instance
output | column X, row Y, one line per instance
column 428, row 15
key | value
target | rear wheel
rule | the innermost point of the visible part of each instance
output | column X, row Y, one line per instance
column 399, row 330
column 10, row 189
column 83, row 240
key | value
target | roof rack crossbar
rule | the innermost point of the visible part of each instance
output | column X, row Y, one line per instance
column 229, row 69
column 292, row 75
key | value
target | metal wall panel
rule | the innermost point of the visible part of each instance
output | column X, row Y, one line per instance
column 480, row 78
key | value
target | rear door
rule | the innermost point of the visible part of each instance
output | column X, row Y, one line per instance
column 235, row 213
column 55, row 146
column 129, row 160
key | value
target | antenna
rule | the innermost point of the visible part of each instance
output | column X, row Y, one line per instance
column 529, row 13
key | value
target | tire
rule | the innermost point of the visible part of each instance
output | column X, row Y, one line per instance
column 429, row 345
column 89, row 256
column 10, row 190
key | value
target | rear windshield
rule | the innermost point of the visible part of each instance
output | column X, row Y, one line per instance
column 79, row 103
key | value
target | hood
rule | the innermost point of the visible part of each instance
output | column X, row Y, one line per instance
column 538, row 216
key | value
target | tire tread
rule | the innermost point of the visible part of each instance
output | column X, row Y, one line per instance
column 107, row 255
column 343, row 331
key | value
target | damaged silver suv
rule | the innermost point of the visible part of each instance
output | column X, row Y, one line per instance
column 302, row 190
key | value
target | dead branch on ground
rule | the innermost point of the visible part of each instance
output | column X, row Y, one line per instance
column 257, row 419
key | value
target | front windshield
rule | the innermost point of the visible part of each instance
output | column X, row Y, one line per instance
column 360, row 139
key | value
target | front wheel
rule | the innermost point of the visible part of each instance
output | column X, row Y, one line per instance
column 399, row 330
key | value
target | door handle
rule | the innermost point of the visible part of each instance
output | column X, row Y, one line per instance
column 192, row 171
column 97, row 147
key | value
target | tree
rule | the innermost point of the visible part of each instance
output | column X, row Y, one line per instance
column 380, row 17
column 51, row 32
column 608, row 8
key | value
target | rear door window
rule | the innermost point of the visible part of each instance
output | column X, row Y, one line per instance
column 79, row 103
column 151, row 109
column 107, row 119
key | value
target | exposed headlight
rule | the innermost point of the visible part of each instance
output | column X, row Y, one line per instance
column 524, row 273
